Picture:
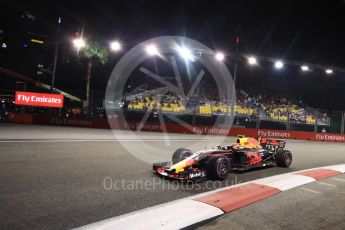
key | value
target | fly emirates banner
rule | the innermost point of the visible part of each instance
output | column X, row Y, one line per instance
column 39, row 99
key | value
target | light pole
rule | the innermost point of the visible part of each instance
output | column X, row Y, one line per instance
column 55, row 55
column 235, row 77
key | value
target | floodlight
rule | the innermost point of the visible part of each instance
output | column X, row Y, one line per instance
column 278, row 64
column 219, row 56
column 79, row 43
column 304, row 68
column 252, row 61
column 185, row 53
column 115, row 46
column 152, row 50
column 329, row 71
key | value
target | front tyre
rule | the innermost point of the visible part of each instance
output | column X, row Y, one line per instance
column 283, row 158
column 218, row 168
column 181, row 154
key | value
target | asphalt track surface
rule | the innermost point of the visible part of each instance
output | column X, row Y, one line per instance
column 64, row 177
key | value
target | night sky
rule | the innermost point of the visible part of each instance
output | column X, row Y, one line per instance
column 306, row 31
column 302, row 30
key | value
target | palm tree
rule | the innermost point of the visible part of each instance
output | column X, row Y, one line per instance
column 93, row 52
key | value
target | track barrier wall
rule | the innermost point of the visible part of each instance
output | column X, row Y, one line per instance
column 176, row 128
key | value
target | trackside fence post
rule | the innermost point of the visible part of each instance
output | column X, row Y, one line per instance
column 288, row 120
column 25, row 87
column 342, row 122
column 258, row 121
column 315, row 127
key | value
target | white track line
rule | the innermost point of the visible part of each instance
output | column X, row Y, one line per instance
column 106, row 140
column 310, row 190
column 338, row 179
column 330, row 185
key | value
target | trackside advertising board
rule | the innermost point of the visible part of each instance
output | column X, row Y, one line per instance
column 176, row 128
column 39, row 99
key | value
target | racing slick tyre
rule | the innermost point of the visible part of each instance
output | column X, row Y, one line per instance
column 218, row 168
column 181, row 154
column 283, row 158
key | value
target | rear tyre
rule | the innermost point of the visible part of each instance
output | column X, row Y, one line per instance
column 181, row 154
column 218, row 168
column 283, row 158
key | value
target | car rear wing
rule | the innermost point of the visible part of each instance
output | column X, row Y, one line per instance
column 272, row 144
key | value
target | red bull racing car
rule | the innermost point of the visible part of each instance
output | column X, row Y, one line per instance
column 216, row 163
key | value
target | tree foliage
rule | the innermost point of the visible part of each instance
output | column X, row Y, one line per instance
column 96, row 51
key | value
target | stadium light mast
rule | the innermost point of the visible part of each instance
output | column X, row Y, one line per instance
column 236, row 59
column 235, row 75
column 56, row 52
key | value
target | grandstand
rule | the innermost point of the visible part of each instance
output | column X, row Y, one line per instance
column 249, row 104
column 149, row 103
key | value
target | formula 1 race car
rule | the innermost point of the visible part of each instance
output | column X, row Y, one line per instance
column 216, row 163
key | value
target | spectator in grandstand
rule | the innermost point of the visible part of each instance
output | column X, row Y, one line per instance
column 301, row 104
column 323, row 130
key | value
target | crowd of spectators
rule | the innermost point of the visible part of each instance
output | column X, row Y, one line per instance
column 249, row 102
column 275, row 107
column 166, row 102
